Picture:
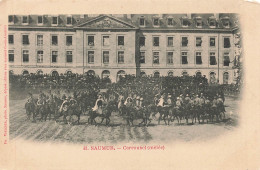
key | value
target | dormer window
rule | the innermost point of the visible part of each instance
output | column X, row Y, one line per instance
column 40, row 20
column 198, row 22
column 170, row 21
column 225, row 22
column 54, row 20
column 142, row 21
column 212, row 22
column 69, row 20
column 156, row 22
column 185, row 22
column 11, row 19
column 25, row 20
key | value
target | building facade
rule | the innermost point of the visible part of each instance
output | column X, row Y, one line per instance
column 114, row 45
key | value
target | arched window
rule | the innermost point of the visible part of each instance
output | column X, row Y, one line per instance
column 212, row 78
column 225, row 78
column 54, row 73
column 91, row 72
column 69, row 73
column 25, row 72
column 198, row 74
column 156, row 74
column 39, row 72
column 142, row 74
column 170, row 74
column 120, row 73
column 105, row 74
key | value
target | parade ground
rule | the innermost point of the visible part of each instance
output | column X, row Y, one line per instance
column 118, row 131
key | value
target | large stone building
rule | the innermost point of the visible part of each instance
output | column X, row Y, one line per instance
column 113, row 45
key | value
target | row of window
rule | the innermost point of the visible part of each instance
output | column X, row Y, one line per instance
column 39, row 40
column 40, row 56
column 121, row 57
column 184, row 58
column 121, row 41
column 185, row 21
column 185, row 41
column 142, row 22
column 54, row 40
column 40, row 20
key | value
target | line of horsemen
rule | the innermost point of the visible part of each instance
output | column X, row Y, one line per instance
column 197, row 107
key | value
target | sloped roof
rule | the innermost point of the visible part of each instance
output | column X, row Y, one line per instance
column 130, row 21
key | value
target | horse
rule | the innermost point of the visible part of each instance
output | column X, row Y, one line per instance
column 43, row 110
column 120, row 106
column 132, row 113
column 69, row 111
column 164, row 113
column 30, row 109
column 175, row 113
column 106, row 113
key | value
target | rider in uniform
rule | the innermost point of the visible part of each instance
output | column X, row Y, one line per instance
column 161, row 103
column 65, row 104
column 214, row 105
column 99, row 104
column 40, row 102
column 73, row 102
column 30, row 98
column 220, row 103
column 169, row 100
column 141, row 102
column 156, row 99
column 137, row 103
column 207, row 105
column 178, row 103
column 129, row 100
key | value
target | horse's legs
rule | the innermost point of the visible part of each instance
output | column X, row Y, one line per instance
column 164, row 118
column 78, row 118
column 107, row 121
column 64, row 118
column 46, row 115
column 102, row 120
column 128, row 121
column 159, row 119
column 132, row 121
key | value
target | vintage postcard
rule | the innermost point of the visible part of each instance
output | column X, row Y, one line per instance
column 129, row 85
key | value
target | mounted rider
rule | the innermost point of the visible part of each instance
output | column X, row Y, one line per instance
column 137, row 103
column 65, row 105
column 169, row 100
column 73, row 103
column 161, row 101
column 178, row 103
column 129, row 100
column 220, row 104
column 40, row 102
column 214, row 105
column 99, row 104
column 30, row 99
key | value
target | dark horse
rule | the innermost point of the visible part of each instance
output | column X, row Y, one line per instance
column 106, row 113
column 69, row 112
column 30, row 109
column 164, row 113
column 131, row 113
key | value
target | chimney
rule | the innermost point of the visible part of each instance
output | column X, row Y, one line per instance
column 189, row 15
column 128, row 16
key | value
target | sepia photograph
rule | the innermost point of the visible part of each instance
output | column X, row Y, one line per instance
column 124, row 77
column 125, row 85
